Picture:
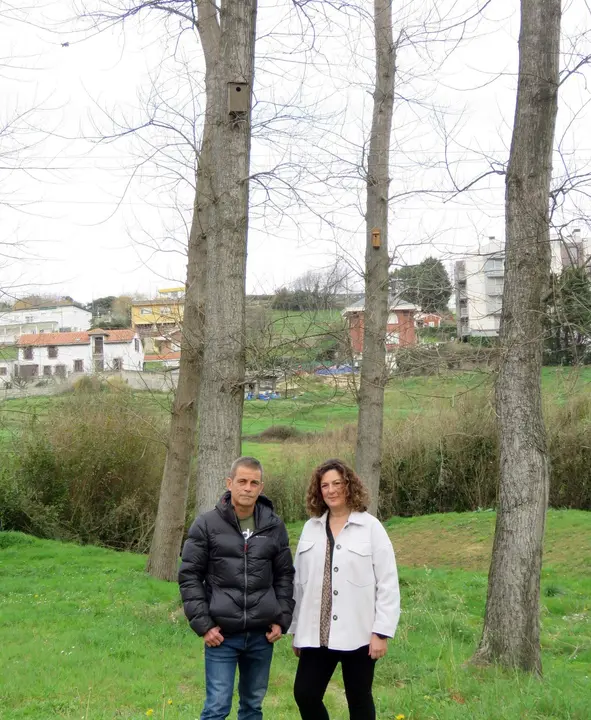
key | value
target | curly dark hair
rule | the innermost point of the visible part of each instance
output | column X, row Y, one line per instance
column 357, row 495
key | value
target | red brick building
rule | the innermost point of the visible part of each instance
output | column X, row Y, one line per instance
column 429, row 320
column 401, row 325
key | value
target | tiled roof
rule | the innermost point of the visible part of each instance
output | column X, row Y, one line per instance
column 59, row 338
column 115, row 336
column 163, row 357
column 74, row 338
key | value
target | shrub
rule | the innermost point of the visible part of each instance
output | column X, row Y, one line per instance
column 430, row 359
column 278, row 433
column 569, row 430
column 286, row 481
column 445, row 459
column 90, row 470
column 441, row 462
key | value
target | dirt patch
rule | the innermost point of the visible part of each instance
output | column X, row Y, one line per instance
column 418, row 547
column 280, row 433
column 464, row 541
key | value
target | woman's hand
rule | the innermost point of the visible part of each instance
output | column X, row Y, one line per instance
column 296, row 650
column 378, row 647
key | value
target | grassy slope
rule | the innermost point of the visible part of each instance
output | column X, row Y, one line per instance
column 85, row 634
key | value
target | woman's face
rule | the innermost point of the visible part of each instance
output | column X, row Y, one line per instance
column 333, row 489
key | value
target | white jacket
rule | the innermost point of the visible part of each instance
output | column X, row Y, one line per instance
column 365, row 593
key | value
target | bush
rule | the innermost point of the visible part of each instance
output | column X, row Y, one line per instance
column 445, row 460
column 90, row 471
column 278, row 433
column 569, row 430
column 430, row 359
column 286, row 482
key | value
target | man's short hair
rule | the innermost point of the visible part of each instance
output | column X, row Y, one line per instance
column 248, row 462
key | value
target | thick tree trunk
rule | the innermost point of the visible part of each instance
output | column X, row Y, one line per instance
column 511, row 634
column 221, row 396
column 373, row 366
column 172, row 505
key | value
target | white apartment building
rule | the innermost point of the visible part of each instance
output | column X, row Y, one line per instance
column 61, row 354
column 59, row 317
column 479, row 281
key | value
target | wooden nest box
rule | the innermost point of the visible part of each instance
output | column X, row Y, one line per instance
column 237, row 98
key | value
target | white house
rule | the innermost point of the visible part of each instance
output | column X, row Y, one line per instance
column 62, row 316
column 61, row 354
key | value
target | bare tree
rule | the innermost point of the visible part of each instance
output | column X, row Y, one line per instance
column 511, row 634
column 172, row 505
column 373, row 368
column 228, row 43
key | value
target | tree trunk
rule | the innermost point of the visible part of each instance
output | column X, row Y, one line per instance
column 221, row 396
column 373, row 366
column 172, row 505
column 511, row 634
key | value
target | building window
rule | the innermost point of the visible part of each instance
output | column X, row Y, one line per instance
column 494, row 265
column 392, row 338
column 29, row 318
column 98, row 346
column 52, row 351
column 28, row 353
column 60, row 371
column 47, row 370
column 117, row 364
column 145, row 311
column 136, row 344
column 78, row 366
column 3, row 371
column 99, row 365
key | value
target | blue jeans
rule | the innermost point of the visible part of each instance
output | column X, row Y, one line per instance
column 252, row 653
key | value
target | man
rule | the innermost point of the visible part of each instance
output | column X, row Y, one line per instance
column 236, row 581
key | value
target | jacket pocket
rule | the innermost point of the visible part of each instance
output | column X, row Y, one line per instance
column 360, row 563
column 303, row 561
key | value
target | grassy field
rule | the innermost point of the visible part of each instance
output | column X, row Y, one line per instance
column 320, row 406
column 86, row 634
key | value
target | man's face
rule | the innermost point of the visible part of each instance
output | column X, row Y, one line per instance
column 245, row 487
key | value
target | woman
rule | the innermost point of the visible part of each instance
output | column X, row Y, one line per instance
column 346, row 593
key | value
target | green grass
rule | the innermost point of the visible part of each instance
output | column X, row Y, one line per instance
column 86, row 634
column 299, row 325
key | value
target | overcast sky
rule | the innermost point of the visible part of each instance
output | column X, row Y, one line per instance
column 88, row 218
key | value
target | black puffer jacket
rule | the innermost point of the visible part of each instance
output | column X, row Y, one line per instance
column 240, row 586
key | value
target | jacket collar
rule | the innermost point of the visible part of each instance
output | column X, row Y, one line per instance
column 355, row 518
column 264, row 514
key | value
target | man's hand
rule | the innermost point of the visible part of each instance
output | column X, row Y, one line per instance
column 296, row 650
column 213, row 637
column 378, row 647
column 274, row 633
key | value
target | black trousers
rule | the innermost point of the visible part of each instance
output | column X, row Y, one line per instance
column 315, row 669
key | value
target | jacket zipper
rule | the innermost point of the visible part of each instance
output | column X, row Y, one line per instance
column 245, row 578
column 256, row 532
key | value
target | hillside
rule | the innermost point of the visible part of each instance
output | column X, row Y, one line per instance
column 86, row 634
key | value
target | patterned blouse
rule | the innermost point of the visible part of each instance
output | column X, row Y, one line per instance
column 326, row 604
